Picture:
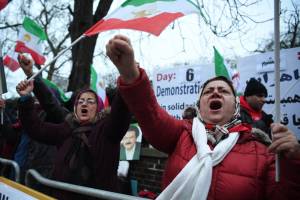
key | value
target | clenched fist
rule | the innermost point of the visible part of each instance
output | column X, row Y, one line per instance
column 120, row 52
column 24, row 87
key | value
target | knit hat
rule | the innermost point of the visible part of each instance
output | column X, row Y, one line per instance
column 254, row 87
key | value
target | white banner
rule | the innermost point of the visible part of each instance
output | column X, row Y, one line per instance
column 289, row 83
column 179, row 87
column 8, row 192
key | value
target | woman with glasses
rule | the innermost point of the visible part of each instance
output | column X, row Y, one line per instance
column 88, row 141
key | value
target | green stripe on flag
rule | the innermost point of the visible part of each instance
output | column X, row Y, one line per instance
column 141, row 2
column 220, row 68
column 52, row 85
column 94, row 79
column 33, row 28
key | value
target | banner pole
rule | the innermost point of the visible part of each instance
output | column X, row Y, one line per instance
column 277, row 78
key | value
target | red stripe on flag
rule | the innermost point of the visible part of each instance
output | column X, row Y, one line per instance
column 11, row 63
column 3, row 3
column 154, row 25
column 22, row 48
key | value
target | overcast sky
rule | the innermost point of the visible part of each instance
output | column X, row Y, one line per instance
column 169, row 48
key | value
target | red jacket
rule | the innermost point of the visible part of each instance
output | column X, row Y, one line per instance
column 247, row 172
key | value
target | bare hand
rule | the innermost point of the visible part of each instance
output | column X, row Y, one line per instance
column 284, row 141
column 24, row 87
column 120, row 52
column 26, row 64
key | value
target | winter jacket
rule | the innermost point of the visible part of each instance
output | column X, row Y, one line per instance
column 10, row 135
column 55, row 112
column 246, row 173
column 41, row 156
column 259, row 120
column 100, row 154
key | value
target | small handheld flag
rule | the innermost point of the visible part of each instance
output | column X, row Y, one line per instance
column 31, row 40
column 11, row 61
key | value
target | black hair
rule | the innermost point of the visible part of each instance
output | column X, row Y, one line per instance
column 135, row 130
column 189, row 113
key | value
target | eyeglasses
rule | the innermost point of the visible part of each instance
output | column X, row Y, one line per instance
column 87, row 101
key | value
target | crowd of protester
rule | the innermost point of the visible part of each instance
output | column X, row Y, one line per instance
column 221, row 149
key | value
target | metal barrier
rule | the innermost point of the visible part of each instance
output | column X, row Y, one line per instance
column 76, row 188
column 14, row 165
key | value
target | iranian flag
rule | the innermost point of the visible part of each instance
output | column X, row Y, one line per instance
column 150, row 16
column 61, row 93
column 222, row 68
column 98, row 86
column 31, row 40
column 11, row 61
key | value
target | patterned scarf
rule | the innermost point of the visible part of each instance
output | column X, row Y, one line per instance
column 194, row 180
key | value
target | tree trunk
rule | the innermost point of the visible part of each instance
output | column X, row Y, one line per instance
column 82, row 52
column 51, row 71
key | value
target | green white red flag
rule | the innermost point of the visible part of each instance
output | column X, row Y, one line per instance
column 52, row 85
column 31, row 40
column 150, row 16
column 222, row 68
column 98, row 86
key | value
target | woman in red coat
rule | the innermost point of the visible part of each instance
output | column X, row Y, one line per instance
column 215, row 156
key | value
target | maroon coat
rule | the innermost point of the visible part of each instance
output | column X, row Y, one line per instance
column 247, row 172
column 103, row 138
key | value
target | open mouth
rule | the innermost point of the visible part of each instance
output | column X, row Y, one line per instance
column 215, row 105
column 84, row 111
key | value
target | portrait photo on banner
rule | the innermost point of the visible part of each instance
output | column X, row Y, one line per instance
column 130, row 146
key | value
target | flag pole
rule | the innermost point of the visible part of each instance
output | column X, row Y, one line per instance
column 277, row 78
column 3, row 86
column 56, row 57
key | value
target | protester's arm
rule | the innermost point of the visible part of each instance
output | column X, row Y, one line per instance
column 55, row 112
column 285, row 143
column 160, row 129
column 288, row 186
column 48, row 133
column 117, row 122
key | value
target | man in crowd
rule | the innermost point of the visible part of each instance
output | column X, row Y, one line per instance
column 130, row 148
column 251, row 107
